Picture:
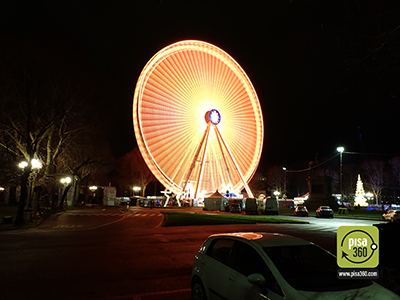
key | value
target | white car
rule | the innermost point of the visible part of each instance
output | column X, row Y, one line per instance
column 392, row 215
column 251, row 265
column 324, row 211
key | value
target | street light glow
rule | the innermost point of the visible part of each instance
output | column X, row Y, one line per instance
column 65, row 180
column 136, row 188
column 36, row 164
column 23, row 164
column 340, row 150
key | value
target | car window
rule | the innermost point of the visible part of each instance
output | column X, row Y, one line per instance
column 247, row 261
column 220, row 249
column 310, row 268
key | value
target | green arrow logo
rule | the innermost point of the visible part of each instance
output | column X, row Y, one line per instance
column 358, row 246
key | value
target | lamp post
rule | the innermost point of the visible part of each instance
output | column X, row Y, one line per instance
column 276, row 193
column 341, row 150
column 284, row 183
column 93, row 189
column 65, row 182
column 136, row 190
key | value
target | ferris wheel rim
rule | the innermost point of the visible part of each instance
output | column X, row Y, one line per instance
column 138, row 97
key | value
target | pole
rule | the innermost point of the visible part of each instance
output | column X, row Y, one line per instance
column 284, row 184
column 341, row 178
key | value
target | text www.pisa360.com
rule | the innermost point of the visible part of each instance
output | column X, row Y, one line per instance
column 358, row 274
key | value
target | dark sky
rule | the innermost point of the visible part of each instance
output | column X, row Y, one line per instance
column 324, row 71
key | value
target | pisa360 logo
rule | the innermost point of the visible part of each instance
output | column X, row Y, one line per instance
column 357, row 247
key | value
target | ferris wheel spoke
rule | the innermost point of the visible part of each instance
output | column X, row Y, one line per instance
column 177, row 87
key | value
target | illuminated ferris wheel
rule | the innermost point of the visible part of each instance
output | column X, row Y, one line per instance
column 197, row 120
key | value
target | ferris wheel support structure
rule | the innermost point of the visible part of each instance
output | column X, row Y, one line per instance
column 247, row 188
column 205, row 140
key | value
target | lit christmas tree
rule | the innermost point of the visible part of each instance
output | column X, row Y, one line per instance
column 360, row 199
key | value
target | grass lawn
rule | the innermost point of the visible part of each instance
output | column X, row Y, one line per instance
column 377, row 214
column 8, row 211
column 360, row 213
column 188, row 219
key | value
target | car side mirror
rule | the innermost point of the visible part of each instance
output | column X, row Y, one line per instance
column 256, row 279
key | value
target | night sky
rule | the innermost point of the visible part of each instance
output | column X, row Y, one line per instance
column 324, row 71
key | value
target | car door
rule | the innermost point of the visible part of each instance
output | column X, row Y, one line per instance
column 246, row 261
column 216, row 266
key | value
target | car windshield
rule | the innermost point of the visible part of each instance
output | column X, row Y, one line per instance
column 301, row 208
column 310, row 268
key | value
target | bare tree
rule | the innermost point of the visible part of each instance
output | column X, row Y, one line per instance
column 395, row 164
column 275, row 179
column 44, row 107
column 258, row 183
column 375, row 171
column 82, row 157
column 134, row 171
column 27, row 114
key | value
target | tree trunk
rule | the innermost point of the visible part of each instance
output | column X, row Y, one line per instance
column 78, row 185
column 23, row 196
column 143, row 190
column 35, row 204
column 64, row 195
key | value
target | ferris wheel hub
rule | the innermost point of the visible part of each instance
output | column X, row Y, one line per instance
column 213, row 116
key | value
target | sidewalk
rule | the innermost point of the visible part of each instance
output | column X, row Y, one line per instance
column 43, row 218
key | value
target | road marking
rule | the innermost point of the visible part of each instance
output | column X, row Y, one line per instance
column 95, row 214
column 145, row 215
column 139, row 296
column 67, row 226
column 109, row 223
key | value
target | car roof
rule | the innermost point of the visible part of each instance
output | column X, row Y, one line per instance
column 265, row 239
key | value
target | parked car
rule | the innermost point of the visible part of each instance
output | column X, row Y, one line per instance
column 251, row 206
column 392, row 215
column 271, row 206
column 250, row 265
column 301, row 211
column 235, row 208
column 324, row 211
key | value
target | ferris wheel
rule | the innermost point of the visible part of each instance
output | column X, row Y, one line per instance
column 197, row 120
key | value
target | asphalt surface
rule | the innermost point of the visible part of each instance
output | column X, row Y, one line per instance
column 107, row 253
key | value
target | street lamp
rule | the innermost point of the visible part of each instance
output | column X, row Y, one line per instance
column 341, row 150
column 276, row 193
column 23, row 164
column 136, row 190
column 93, row 189
column 36, row 164
column 65, row 181
column 284, row 183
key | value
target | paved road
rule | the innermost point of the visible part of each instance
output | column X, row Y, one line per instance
column 105, row 253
